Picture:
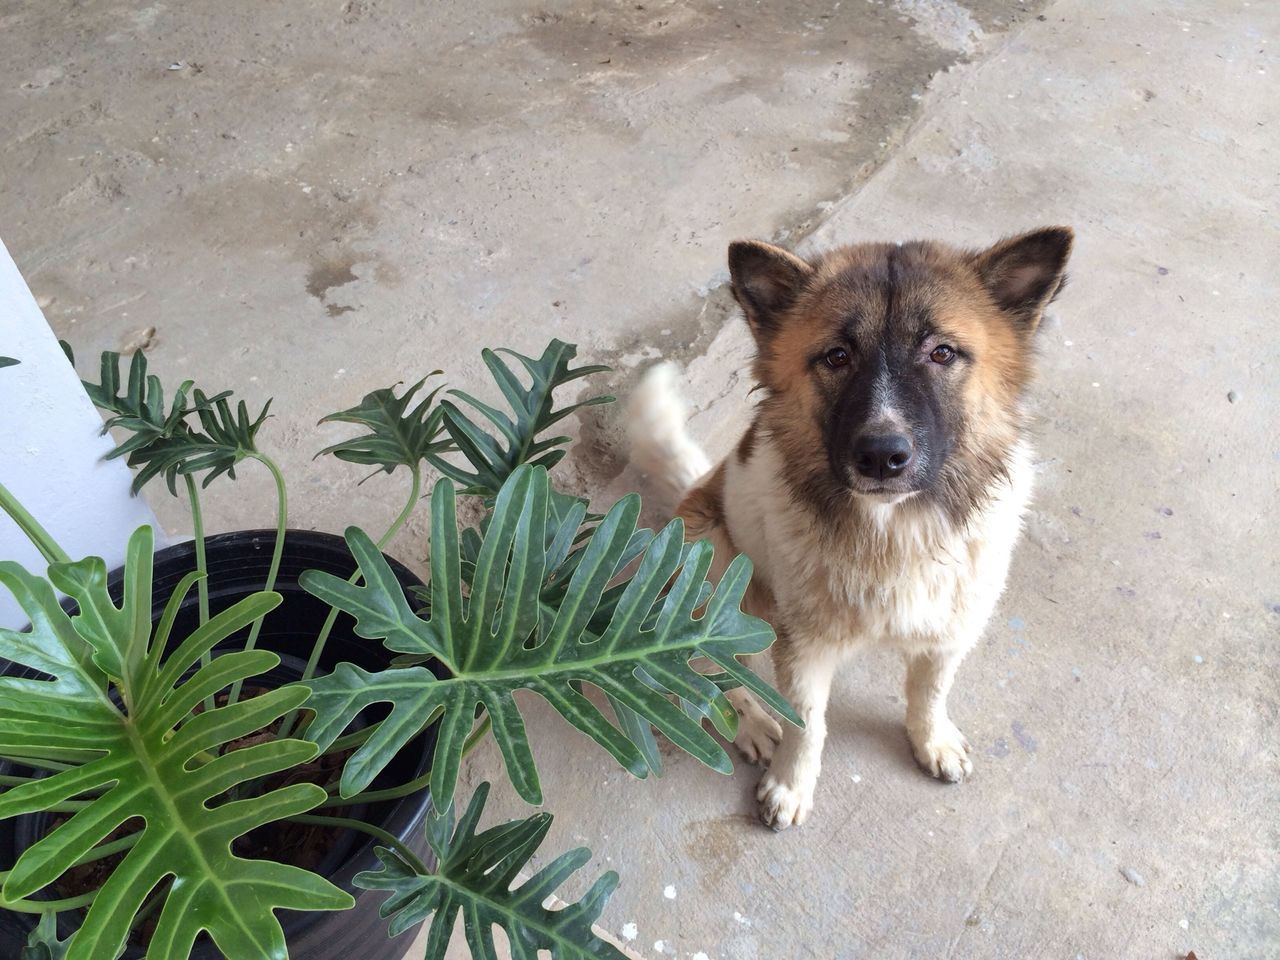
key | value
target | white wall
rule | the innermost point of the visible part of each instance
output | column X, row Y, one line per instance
column 51, row 450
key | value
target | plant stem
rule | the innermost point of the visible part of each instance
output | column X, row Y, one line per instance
column 45, row 906
column 38, row 535
column 197, row 523
column 317, row 648
column 413, row 786
column 202, row 567
column 153, row 903
column 415, row 490
column 409, row 856
column 377, row 796
column 282, row 521
column 352, row 739
column 108, row 849
column 97, row 853
column 49, row 766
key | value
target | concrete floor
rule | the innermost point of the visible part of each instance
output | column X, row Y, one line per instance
column 316, row 201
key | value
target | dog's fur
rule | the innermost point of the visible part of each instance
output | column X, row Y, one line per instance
column 848, row 349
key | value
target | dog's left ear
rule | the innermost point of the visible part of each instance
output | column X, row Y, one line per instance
column 1024, row 273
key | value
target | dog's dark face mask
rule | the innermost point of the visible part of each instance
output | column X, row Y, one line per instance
column 896, row 370
column 891, row 419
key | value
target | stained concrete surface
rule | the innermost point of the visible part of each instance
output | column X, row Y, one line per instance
column 317, row 201
column 309, row 201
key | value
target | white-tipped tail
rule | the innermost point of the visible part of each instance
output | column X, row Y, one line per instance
column 660, row 443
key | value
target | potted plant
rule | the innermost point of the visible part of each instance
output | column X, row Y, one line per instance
column 198, row 760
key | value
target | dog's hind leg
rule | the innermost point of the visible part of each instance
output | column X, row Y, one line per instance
column 758, row 732
column 938, row 744
column 701, row 509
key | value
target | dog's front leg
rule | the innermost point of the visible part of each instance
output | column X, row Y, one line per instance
column 804, row 671
column 938, row 744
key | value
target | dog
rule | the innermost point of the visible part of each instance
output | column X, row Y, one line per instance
column 881, row 487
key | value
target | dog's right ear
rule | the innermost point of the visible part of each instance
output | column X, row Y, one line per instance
column 766, row 280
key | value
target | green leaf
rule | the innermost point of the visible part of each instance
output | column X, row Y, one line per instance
column 8, row 362
column 514, row 440
column 43, row 942
column 139, row 409
column 164, row 442
column 640, row 732
column 227, row 438
column 151, row 759
column 475, row 876
column 631, row 640
column 397, row 435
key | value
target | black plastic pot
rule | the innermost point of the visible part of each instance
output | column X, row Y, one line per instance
column 238, row 565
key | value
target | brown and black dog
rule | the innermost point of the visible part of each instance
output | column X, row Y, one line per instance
column 880, row 490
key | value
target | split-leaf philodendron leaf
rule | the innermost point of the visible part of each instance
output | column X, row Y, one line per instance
column 162, row 441
column 474, row 876
column 532, row 412
column 149, row 757
column 398, row 435
column 496, row 442
column 634, row 642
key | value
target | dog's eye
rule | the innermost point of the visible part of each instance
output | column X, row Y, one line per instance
column 942, row 354
column 837, row 357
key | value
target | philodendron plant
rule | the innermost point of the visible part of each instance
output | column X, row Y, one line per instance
column 120, row 731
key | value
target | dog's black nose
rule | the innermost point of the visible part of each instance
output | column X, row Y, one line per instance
column 881, row 456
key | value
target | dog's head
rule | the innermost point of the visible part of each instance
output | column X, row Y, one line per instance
column 893, row 370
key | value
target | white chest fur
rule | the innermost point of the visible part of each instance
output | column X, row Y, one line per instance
column 908, row 578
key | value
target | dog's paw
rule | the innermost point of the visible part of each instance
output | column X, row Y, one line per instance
column 758, row 734
column 783, row 804
column 943, row 752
